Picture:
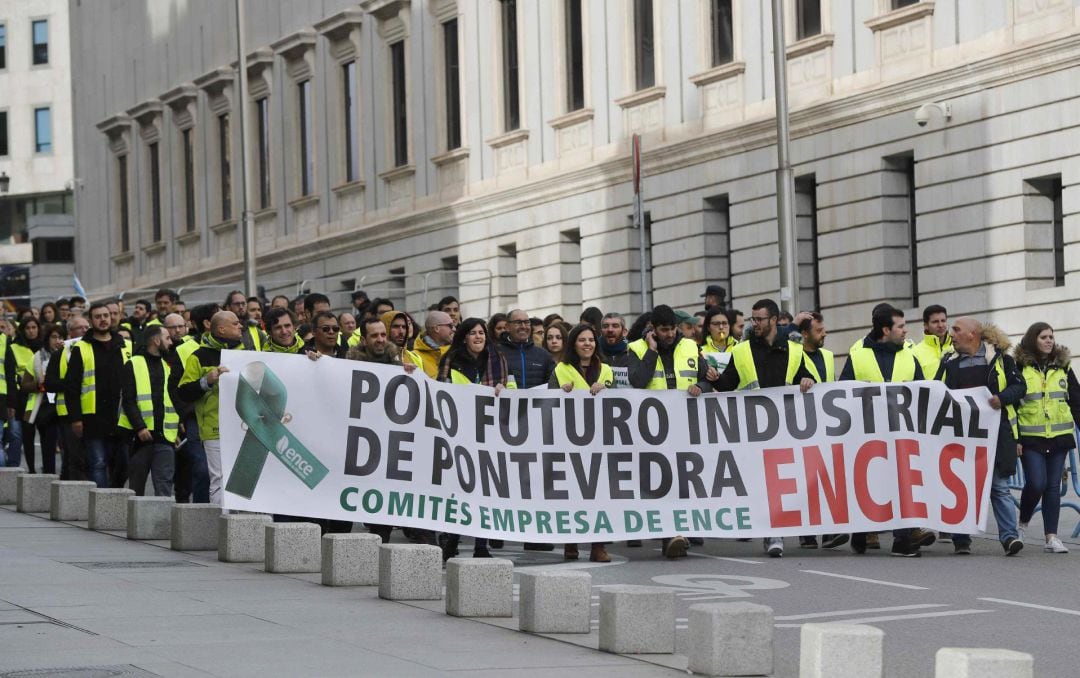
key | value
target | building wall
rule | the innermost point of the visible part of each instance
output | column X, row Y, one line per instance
column 539, row 218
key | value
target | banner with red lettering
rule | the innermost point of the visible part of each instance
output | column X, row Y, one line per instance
column 369, row 443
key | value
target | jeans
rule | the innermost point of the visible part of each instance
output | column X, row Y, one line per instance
column 192, row 473
column 73, row 465
column 1042, row 477
column 154, row 459
column 14, row 442
column 100, row 453
column 48, row 436
column 1001, row 501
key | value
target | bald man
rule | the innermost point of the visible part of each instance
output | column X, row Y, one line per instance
column 434, row 341
column 199, row 386
column 981, row 359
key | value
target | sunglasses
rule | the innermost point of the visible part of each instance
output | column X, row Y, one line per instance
column 329, row 329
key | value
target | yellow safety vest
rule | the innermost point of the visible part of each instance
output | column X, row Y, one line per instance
column 187, row 347
column 24, row 362
column 88, row 388
column 830, row 366
column 61, row 405
column 412, row 357
column 3, row 357
column 748, row 376
column 459, row 378
column 568, row 374
column 865, row 366
column 684, row 362
column 710, row 346
column 1045, row 412
column 145, row 400
column 929, row 352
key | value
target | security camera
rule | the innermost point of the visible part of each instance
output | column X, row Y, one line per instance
column 922, row 113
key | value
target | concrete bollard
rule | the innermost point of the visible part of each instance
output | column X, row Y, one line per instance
column 841, row 651
column 350, row 559
column 970, row 662
column 33, row 492
column 410, row 572
column 9, row 492
column 554, row 602
column 149, row 517
column 731, row 639
column 292, row 547
column 108, row 509
column 637, row 619
column 242, row 537
column 479, row 587
column 194, row 527
column 70, row 499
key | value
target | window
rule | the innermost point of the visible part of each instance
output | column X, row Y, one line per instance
column 722, row 27
column 3, row 133
column 189, row 180
column 262, row 130
column 806, row 249
column 717, row 228
column 3, row 46
column 351, row 123
column 900, row 221
column 122, row 182
column 511, row 102
column 575, row 57
column 155, row 193
column 400, row 114
column 899, row 4
column 225, row 166
column 40, row 31
column 807, row 18
column 42, row 130
column 1044, row 232
column 644, row 45
column 452, row 78
column 54, row 250
column 307, row 156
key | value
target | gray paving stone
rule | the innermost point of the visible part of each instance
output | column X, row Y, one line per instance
column 70, row 499
column 293, row 547
column 108, row 508
column 731, row 639
column 149, row 517
column 969, row 662
column 242, row 537
column 637, row 619
column 410, row 572
column 479, row 587
column 554, row 601
column 33, row 492
column 194, row 527
column 841, row 651
column 350, row 559
column 9, row 485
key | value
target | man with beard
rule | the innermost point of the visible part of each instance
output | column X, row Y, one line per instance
column 147, row 411
column 529, row 364
column 936, row 340
column 325, row 328
column 282, row 327
column 398, row 325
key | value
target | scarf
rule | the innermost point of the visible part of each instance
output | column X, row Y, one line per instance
column 490, row 365
column 210, row 341
column 616, row 349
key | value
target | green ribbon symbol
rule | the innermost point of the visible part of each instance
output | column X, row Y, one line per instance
column 260, row 402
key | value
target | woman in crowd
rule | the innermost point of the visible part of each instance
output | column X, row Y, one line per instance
column 49, row 313
column 555, row 339
column 471, row 359
column 717, row 335
column 498, row 326
column 40, row 406
column 21, row 382
column 581, row 368
column 1046, row 419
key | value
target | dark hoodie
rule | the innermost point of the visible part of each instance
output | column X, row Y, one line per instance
column 1059, row 358
column 885, row 354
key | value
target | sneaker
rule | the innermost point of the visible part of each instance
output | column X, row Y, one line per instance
column 944, row 538
column 872, row 541
column 920, row 537
column 904, row 549
column 676, row 547
column 808, row 542
column 1012, row 547
column 1054, row 545
column 961, row 549
column 858, row 542
column 774, row 546
column 1022, row 529
column 832, row 541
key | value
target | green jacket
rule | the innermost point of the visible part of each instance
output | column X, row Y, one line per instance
column 194, row 389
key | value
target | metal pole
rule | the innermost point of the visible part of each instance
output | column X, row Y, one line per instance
column 639, row 219
column 246, row 216
column 785, row 175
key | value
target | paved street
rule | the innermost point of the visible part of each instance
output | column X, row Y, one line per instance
column 75, row 598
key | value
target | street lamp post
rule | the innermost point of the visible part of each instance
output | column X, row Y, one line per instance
column 246, row 217
column 785, row 175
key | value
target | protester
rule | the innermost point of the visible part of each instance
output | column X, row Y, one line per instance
column 536, row 331
column 450, row 306
column 936, row 340
column 280, row 301
column 529, row 364
column 348, row 327
column 40, row 412
column 49, row 314
column 1049, row 412
column 737, row 323
column 497, row 326
column 717, row 332
column 282, row 328
column 164, row 299
column 399, row 327
column 21, row 383
column 255, row 311
column 555, row 339
column 73, row 459
column 148, row 414
column 613, row 344
column 434, row 341
column 714, row 296
column 591, row 316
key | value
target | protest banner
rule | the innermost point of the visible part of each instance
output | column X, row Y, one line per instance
column 364, row 442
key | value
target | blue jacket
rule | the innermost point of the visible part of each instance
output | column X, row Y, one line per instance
column 530, row 364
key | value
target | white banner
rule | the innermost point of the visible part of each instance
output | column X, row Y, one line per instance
column 363, row 442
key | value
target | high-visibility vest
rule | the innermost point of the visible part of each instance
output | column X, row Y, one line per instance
column 830, row 366
column 144, row 398
column 412, row 357
column 929, row 352
column 187, row 347
column 252, row 338
column 710, row 346
column 3, row 357
column 865, row 366
column 88, row 388
column 568, row 374
column 1045, row 411
column 61, row 405
column 459, row 378
column 24, row 362
column 684, row 362
column 748, row 376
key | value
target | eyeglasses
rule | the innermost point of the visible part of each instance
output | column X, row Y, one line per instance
column 329, row 329
column 450, row 325
column 518, row 322
column 176, row 327
column 756, row 320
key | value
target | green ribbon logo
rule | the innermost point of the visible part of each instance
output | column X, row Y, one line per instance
column 260, row 402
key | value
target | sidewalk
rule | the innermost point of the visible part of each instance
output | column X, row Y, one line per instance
column 74, row 598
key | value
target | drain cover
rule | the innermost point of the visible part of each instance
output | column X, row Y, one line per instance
column 124, row 671
column 134, row 564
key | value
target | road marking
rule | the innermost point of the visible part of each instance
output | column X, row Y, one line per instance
column 733, row 560
column 844, row 613
column 1032, row 605
column 893, row 617
column 868, row 581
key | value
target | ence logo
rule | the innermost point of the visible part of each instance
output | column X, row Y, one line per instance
column 260, row 402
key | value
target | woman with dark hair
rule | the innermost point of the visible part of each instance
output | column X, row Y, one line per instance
column 41, row 406
column 717, row 333
column 49, row 313
column 637, row 330
column 497, row 326
column 581, row 368
column 1046, row 419
column 555, row 339
column 471, row 359
column 21, row 382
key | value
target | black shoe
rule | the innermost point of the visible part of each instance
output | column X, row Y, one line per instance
column 961, row 549
column 697, row 541
column 634, row 543
column 449, row 546
column 808, row 542
column 481, row 553
column 832, row 541
column 903, row 549
column 921, row 537
column 539, row 547
column 496, row 543
column 1012, row 547
column 858, row 542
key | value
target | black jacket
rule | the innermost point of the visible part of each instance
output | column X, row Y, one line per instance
column 771, row 363
column 530, row 364
column 108, row 368
column 129, row 395
column 885, row 354
column 640, row 371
